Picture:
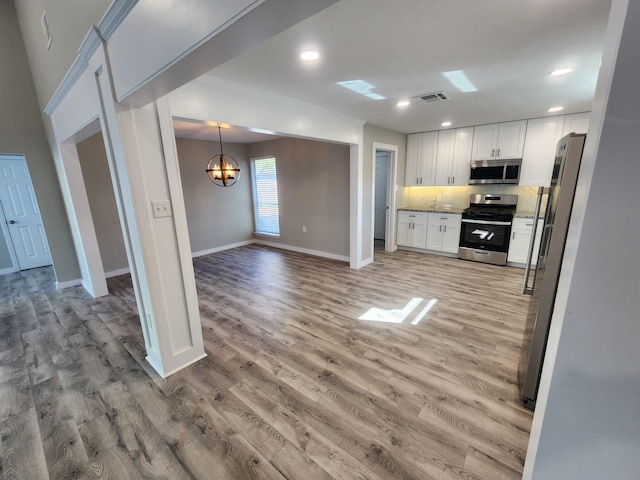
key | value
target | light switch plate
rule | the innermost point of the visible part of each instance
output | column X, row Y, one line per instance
column 161, row 208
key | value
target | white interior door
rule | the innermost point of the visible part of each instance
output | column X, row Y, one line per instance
column 21, row 212
column 380, row 203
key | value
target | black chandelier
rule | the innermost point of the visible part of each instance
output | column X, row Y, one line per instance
column 222, row 169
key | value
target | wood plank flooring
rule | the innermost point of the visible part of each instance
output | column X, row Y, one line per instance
column 295, row 386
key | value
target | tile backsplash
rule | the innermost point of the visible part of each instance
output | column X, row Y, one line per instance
column 458, row 197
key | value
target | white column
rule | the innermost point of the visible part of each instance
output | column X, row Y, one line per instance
column 144, row 167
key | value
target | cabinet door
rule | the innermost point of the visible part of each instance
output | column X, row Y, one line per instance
column 520, row 241
column 485, row 139
column 576, row 123
column 414, row 143
column 419, row 232
column 445, row 157
column 429, row 149
column 540, row 150
column 434, row 232
column 462, row 156
column 519, row 246
column 511, row 139
column 403, row 235
column 451, row 233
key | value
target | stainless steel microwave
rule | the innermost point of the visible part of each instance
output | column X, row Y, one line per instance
column 495, row 171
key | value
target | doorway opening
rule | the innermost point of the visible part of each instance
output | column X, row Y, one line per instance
column 383, row 201
column 23, row 244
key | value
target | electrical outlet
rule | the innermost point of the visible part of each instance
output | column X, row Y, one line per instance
column 161, row 208
column 439, row 198
column 304, row 229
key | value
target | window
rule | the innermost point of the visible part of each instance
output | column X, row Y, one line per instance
column 265, row 195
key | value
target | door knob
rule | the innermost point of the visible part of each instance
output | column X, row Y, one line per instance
column 11, row 222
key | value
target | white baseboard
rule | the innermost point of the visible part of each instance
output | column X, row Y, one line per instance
column 70, row 283
column 4, row 271
column 115, row 273
column 220, row 249
column 316, row 253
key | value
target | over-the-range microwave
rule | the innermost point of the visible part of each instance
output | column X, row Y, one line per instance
column 495, row 171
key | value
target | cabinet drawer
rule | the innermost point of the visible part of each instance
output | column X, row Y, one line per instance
column 524, row 224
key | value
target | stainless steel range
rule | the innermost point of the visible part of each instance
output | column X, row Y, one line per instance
column 486, row 228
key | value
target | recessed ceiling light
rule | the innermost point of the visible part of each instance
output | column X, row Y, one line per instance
column 445, row 124
column 403, row 103
column 555, row 109
column 310, row 55
column 561, row 71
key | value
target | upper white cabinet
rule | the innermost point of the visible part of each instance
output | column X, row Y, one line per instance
column 576, row 123
column 499, row 140
column 540, row 150
column 453, row 157
column 421, row 159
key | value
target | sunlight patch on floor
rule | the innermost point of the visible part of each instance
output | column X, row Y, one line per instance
column 399, row 315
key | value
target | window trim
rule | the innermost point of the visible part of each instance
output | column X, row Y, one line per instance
column 254, row 190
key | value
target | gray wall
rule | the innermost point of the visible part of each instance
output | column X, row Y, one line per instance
column 313, row 190
column 216, row 216
column 22, row 132
column 373, row 133
column 69, row 22
column 102, row 202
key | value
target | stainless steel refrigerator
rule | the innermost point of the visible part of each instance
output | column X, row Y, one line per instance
column 544, row 277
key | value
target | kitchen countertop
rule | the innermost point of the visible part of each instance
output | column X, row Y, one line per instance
column 526, row 214
column 457, row 210
column 436, row 209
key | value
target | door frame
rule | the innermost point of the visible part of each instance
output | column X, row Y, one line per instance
column 390, row 234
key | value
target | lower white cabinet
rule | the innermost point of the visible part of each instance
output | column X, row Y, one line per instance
column 412, row 229
column 520, row 240
column 443, row 232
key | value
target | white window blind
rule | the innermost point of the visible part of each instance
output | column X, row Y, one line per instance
column 265, row 195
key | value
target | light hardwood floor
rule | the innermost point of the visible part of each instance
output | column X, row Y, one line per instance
column 294, row 385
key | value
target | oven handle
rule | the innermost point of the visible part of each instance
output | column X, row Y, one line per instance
column 485, row 222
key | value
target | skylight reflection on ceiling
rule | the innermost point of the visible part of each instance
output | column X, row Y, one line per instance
column 361, row 87
column 459, row 80
column 398, row 316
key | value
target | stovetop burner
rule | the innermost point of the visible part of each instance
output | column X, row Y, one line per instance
column 486, row 206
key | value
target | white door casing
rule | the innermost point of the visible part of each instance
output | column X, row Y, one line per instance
column 390, row 227
column 20, row 207
column 381, row 204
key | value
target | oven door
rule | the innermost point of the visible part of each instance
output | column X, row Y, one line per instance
column 485, row 235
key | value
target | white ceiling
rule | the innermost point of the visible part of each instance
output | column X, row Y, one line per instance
column 507, row 48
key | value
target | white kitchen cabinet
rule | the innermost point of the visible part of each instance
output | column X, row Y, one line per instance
column 443, row 232
column 521, row 239
column 499, row 140
column 412, row 229
column 453, row 157
column 540, row 147
column 421, row 159
column 576, row 123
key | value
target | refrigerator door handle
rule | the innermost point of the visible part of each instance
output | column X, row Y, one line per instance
column 542, row 191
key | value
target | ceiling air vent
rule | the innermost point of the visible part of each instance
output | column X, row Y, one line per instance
column 433, row 97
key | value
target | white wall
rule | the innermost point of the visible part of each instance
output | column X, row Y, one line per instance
column 587, row 420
